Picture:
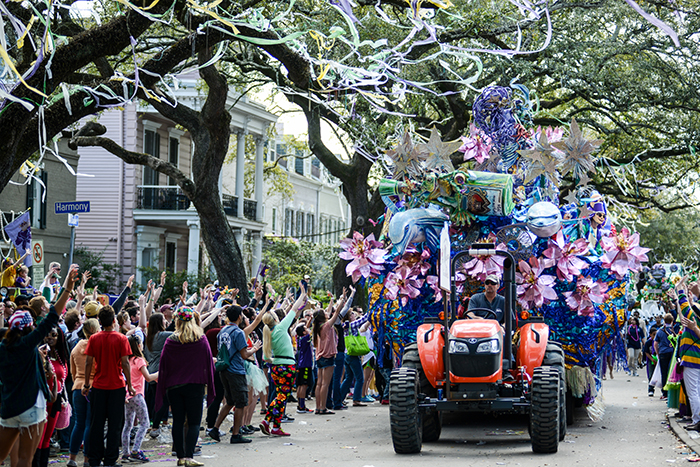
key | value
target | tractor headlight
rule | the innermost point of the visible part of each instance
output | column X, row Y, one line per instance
column 458, row 347
column 490, row 346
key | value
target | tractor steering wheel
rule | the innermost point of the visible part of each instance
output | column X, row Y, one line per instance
column 476, row 311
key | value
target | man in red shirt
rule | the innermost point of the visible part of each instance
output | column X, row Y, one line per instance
column 109, row 350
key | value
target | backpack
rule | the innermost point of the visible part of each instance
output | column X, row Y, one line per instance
column 223, row 359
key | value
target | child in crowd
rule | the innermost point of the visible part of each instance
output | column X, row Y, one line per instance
column 304, row 366
column 22, row 280
column 135, row 407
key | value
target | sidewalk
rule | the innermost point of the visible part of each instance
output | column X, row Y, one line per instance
column 689, row 438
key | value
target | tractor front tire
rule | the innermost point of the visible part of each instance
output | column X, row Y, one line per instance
column 544, row 410
column 432, row 420
column 404, row 416
column 554, row 357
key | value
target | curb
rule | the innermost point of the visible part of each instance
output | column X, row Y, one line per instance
column 684, row 435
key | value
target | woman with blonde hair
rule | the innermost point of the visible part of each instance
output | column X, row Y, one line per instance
column 278, row 350
column 186, row 367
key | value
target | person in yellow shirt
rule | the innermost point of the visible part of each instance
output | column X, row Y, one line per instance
column 9, row 271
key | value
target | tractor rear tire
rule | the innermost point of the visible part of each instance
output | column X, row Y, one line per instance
column 554, row 357
column 404, row 417
column 544, row 410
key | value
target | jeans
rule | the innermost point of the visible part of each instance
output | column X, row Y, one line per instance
column 335, row 398
column 106, row 406
column 665, row 362
column 186, row 403
column 353, row 369
column 213, row 408
column 81, row 428
column 386, row 373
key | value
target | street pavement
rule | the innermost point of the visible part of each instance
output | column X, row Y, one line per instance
column 634, row 430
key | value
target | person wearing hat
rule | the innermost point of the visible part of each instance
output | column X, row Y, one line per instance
column 92, row 308
column 489, row 299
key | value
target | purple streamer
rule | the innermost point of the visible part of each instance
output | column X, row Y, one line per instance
column 668, row 30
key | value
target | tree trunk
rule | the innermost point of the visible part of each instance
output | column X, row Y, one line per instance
column 221, row 243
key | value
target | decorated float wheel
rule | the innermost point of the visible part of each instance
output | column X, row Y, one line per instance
column 404, row 416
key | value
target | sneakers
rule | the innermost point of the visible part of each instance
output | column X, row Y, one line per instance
column 71, row 463
column 651, row 393
column 138, row 456
column 214, row 434
column 253, row 429
column 126, row 459
column 287, row 419
column 368, row 399
column 386, row 401
column 304, row 410
column 265, row 427
column 239, row 439
column 154, row 433
column 279, row 432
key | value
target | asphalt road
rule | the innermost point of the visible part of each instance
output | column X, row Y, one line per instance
column 633, row 431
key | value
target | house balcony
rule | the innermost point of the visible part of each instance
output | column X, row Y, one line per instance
column 231, row 207
column 161, row 198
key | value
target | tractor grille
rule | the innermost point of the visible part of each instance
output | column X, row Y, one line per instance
column 474, row 365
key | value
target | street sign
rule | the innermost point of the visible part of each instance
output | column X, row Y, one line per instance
column 72, row 220
column 72, row 207
column 38, row 252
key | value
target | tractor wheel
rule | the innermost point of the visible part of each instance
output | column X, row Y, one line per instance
column 554, row 357
column 544, row 410
column 411, row 359
column 432, row 421
column 404, row 416
column 432, row 426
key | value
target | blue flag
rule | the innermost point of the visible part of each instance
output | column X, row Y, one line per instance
column 20, row 233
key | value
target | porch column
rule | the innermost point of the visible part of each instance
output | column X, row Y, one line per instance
column 259, row 163
column 257, row 252
column 193, row 248
column 240, row 168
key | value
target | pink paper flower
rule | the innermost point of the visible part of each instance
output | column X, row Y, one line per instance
column 623, row 253
column 477, row 145
column 481, row 266
column 565, row 256
column 554, row 134
column 415, row 260
column 402, row 282
column 433, row 282
column 533, row 286
column 587, row 293
column 365, row 255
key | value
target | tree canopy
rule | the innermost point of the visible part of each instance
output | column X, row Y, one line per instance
column 371, row 70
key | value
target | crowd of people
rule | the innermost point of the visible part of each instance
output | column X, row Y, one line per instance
column 97, row 378
column 669, row 348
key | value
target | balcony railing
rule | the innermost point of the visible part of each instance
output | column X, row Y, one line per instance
column 166, row 198
column 231, row 207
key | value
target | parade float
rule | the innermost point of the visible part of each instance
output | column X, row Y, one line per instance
column 573, row 265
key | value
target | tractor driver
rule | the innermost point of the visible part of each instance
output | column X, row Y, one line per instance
column 489, row 299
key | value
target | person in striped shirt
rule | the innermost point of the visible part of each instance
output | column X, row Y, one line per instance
column 689, row 347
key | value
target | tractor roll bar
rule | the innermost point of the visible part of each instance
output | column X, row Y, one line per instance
column 487, row 249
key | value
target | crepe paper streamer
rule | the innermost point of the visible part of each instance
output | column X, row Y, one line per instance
column 207, row 11
column 665, row 28
column 20, row 41
column 8, row 61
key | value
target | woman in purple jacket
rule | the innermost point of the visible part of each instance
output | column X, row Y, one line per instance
column 186, row 367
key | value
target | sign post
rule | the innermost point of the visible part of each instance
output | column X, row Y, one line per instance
column 72, row 208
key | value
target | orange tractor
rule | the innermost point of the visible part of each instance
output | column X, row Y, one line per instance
column 469, row 365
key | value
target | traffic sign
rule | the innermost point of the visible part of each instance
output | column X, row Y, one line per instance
column 72, row 220
column 72, row 207
column 38, row 252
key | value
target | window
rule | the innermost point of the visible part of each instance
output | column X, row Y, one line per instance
column 151, row 145
column 288, row 222
column 281, row 151
column 274, row 220
column 310, row 226
column 341, row 230
column 299, row 162
column 299, row 231
column 37, row 207
column 170, row 256
column 174, row 157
